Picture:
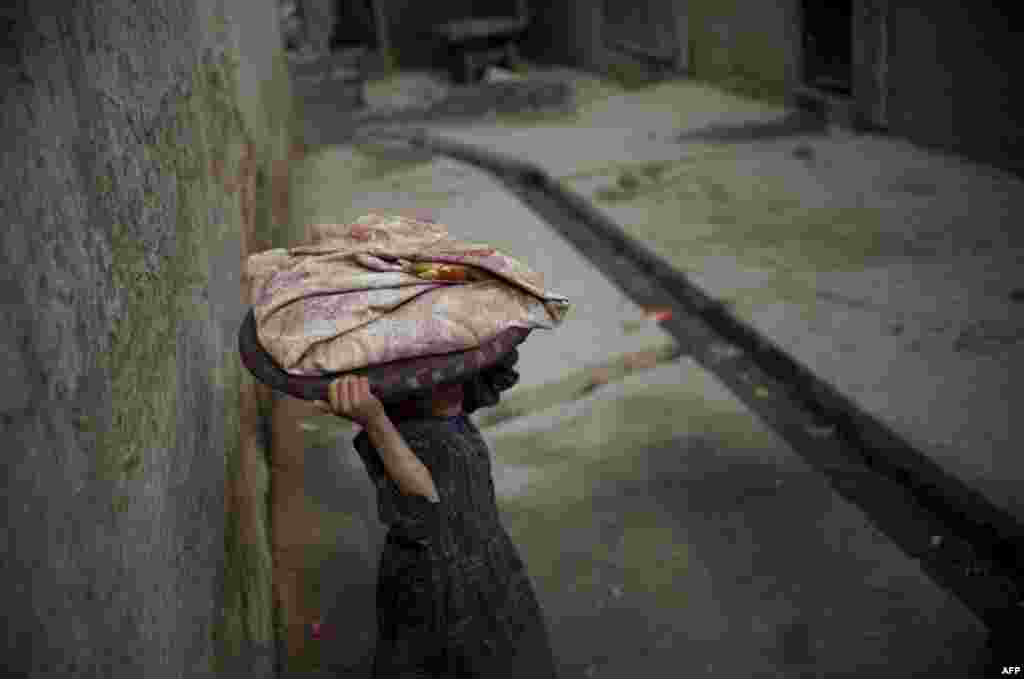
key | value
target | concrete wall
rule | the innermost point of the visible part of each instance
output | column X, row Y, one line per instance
column 748, row 47
column 319, row 17
column 870, row 44
column 939, row 74
column 752, row 48
column 141, row 143
column 583, row 37
column 951, row 67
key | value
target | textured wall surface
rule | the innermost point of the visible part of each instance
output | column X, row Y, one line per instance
column 319, row 17
column 870, row 45
column 753, row 48
column 950, row 77
column 135, row 137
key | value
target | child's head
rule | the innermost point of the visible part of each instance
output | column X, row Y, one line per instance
column 482, row 390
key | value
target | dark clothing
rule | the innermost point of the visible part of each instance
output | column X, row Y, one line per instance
column 453, row 596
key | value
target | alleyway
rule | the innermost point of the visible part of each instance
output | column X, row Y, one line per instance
column 664, row 524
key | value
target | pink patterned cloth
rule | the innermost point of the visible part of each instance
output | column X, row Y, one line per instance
column 351, row 299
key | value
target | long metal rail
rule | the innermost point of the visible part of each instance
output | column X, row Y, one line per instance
column 962, row 541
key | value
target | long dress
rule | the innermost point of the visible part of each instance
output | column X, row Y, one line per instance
column 453, row 596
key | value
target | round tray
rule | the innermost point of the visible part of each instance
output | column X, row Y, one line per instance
column 390, row 382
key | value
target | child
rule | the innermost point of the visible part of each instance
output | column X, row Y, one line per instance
column 453, row 595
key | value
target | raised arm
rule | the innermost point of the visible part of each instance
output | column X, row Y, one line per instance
column 352, row 399
column 402, row 465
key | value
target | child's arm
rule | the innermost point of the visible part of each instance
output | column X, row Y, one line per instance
column 402, row 465
column 351, row 398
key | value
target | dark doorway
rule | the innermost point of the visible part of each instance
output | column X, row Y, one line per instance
column 355, row 26
column 828, row 45
column 644, row 28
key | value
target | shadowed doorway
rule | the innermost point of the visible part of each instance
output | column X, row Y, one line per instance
column 648, row 29
column 828, row 45
column 355, row 26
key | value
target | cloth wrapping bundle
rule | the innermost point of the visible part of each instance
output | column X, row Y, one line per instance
column 383, row 289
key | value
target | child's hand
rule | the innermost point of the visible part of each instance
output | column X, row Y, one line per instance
column 352, row 399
